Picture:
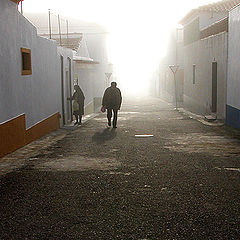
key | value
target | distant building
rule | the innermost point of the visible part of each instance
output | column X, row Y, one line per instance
column 165, row 87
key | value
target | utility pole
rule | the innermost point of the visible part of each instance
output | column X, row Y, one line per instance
column 59, row 27
column 49, row 22
column 67, row 31
column 176, row 61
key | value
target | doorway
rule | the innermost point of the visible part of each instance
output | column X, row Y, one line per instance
column 62, row 91
column 68, row 80
column 214, row 87
column 68, row 95
column 70, row 86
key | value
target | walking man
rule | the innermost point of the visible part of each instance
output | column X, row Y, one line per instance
column 112, row 100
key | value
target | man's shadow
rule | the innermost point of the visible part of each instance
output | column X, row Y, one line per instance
column 105, row 135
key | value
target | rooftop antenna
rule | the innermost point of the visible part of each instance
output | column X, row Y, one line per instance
column 67, row 31
column 59, row 27
column 49, row 22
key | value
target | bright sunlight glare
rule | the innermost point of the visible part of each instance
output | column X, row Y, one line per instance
column 138, row 31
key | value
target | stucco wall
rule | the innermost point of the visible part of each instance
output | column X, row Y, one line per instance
column 233, row 81
column 97, row 48
column 91, row 77
column 233, row 59
column 208, row 18
column 198, row 96
column 86, row 74
column 37, row 95
column 173, row 56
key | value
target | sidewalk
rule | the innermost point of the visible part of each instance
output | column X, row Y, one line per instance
column 201, row 118
column 28, row 153
column 85, row 118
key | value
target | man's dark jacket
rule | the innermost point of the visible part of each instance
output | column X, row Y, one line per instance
column 112, row 98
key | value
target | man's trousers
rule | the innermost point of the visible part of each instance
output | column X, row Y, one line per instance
column 109, row 116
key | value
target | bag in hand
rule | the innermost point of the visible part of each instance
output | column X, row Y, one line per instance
column 103, row 109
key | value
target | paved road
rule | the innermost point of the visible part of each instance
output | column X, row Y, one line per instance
column 97, row 183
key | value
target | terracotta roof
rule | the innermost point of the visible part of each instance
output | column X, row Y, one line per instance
column 16, row 1
column 72, row 43
column 221, row 6
column 71, row 40
column 86, row 62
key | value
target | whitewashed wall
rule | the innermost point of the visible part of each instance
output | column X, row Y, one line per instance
column 208, row 18
column 37, row 95
column 97, row 47
column 91, row 77
column 233, row 81
column 174, row 56
column 86, row 77
column 234, row 59
column 198, row 96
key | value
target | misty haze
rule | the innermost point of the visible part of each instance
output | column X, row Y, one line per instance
column 119, row 119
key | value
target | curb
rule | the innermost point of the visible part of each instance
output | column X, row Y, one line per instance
column 201, row 118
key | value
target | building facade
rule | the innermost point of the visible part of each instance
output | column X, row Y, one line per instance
column 174, row 56
column 205, row 58
column 88, row 41
column 30, row 73
column 233, row 81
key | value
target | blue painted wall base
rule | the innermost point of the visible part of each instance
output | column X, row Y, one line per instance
column 233, row 117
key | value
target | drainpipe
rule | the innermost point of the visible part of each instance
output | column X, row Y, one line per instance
column 21, row 8
column 49, row 22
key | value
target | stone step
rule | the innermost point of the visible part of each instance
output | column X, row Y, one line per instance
column 211, row 117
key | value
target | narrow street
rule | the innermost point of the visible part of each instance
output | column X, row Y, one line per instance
column 159, row 175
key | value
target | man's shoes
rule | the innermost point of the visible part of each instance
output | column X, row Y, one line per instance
column 114, row 126
column 109, row 124
column 76, row 123
column 79, row 123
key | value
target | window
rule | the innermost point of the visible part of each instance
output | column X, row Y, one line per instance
column 26, row 61
column 194, row 73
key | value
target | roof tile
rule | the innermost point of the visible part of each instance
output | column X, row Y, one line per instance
column 72, row 43
column 221, row 6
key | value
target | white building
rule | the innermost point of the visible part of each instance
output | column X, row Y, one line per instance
column 89, row 43
column 33, row 80
column 92, row 75
column 233, row 80
column 205, row 58
column 174, row 56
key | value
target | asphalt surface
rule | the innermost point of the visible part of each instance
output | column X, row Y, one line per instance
column 92, row 182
